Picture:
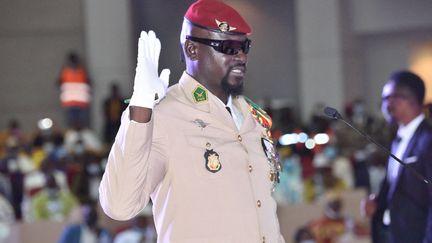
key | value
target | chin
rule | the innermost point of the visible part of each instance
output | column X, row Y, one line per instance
column 233, row 85
column 236, row 82
column 238, row 90
column 234, row 90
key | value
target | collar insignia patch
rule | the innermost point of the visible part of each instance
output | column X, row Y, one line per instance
column 199, row 94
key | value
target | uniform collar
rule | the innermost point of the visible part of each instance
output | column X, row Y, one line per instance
column 214, row 105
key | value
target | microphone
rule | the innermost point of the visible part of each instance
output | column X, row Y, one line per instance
column 334, row 114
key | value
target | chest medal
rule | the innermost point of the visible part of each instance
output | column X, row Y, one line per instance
column 266, row 141
column 273, row 160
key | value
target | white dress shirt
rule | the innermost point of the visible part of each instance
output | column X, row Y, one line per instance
column 405, row 133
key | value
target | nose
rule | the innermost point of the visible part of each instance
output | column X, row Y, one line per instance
column 240, row 57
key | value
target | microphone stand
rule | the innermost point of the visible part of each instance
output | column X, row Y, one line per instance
column 334, row 114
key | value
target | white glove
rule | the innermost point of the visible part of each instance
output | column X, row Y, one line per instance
column 147, row 82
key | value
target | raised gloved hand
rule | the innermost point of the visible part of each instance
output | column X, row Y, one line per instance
column 149, row 87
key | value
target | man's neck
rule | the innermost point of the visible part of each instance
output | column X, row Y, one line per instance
column 218, row 92
column 410, row 117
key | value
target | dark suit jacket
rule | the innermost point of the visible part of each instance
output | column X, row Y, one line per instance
column 410, row 204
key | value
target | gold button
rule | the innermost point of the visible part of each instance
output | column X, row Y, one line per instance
column 264, row 239
column 239, row 138
column 272, row 176
column 259, row 203
column 208, row 145
column 250, row 168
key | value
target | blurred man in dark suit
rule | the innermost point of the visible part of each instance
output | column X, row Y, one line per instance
column 402, row 211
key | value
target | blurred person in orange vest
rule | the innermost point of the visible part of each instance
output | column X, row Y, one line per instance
column 75, row 91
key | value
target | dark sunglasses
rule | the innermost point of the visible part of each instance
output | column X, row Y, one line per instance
column 229, row 47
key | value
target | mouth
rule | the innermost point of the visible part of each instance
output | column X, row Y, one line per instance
column 238, row 70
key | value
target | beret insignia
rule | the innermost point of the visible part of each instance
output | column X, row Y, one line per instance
column 224, row 26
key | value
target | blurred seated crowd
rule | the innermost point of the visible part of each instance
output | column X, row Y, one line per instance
column 49, row 173
column 327, row 155
column 54, row 174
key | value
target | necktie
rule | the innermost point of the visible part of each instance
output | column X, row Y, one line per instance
column 393, row 166
column 228, row 109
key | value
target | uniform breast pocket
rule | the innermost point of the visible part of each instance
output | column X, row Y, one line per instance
column 208, row 157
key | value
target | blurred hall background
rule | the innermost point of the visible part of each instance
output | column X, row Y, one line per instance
column 306, row 54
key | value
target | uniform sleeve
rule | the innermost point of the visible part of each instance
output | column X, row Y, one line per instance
column 281, row 239
column 136, row 165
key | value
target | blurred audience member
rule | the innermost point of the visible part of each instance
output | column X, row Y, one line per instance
column 11, row 137
column 88, row 231
column 306, row 155
column 7, row 217
column 13, row 173
column 331, row 224
column 86, row 183
column 52, row 202
column 58, row 153
column 323, row 180
column 80, row 139
column 353, row 233
column 38, row 153
column 113, row 108
column 36, row 180
column 341, row 166
column 141, row 231
column 377, row 168
column 75, row 91
column 352, row 145
column 304, row 235
column 290, row 188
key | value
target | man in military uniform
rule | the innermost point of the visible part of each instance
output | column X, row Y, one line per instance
column 203, row 154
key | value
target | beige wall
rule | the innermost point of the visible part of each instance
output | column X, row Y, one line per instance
column 34, row 38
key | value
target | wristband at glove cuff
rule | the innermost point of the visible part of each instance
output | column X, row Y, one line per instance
column 147, row 100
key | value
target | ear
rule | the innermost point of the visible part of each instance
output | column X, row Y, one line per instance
column 191, row 50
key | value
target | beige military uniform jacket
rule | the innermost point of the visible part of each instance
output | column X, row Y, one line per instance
column 164, row 160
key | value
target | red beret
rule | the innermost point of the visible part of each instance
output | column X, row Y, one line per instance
column 215, row 15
